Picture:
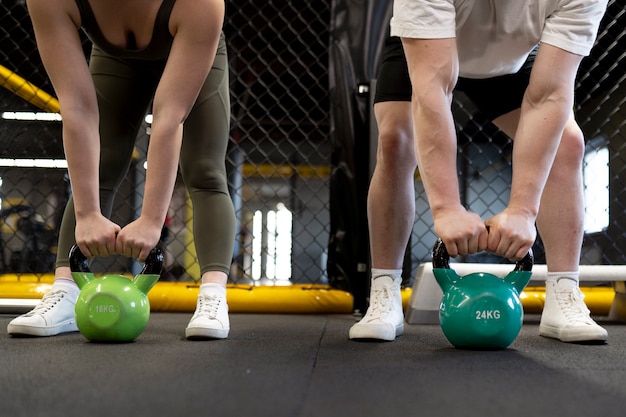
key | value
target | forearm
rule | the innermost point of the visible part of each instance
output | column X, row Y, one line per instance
column 545, row 110
column 436, row 151
column 82, row 151
column 163, row 156
column 536, row 141
column 433, row 69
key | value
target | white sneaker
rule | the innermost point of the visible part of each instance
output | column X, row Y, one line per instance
column 210, row 320
column 566, row 316
column 52, row 316
column 384, row 319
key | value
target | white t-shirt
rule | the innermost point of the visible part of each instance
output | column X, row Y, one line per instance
column 494, row 37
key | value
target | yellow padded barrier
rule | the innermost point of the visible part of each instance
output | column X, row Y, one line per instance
column 598, row 299
column 28, row 91
column 256, row 299
column 305, row 298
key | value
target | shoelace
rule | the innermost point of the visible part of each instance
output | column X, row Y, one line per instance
column 573, row 307
column 48, row 302
column 208, row 305
column 381, row 301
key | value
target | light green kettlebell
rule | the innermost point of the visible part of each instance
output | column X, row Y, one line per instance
column 480, row 310
column 113, row 308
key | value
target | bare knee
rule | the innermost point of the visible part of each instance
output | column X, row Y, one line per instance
column 396, row 148
column 571, row 151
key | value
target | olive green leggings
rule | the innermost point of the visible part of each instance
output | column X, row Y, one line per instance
column 125, row 89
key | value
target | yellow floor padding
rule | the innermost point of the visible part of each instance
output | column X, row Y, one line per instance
column 303, row 298
column 598, row 299
column 256, row 299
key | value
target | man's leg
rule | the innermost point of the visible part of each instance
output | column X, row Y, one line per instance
column 560, row 224
column 391, row 213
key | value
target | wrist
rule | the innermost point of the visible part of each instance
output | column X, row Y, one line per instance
column 440, row 210
column 152, row 220
column 87, row 213
column 526, row 211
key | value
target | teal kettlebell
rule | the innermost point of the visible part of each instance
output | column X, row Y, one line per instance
column 480, row 310
column 113, row 308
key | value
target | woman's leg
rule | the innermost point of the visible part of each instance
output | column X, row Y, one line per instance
column 124, row 94
column 203, row 168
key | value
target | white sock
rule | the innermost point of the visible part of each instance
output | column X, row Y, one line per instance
column 212, row 289
column 564, row 280
column 393, row 273
column 67, row 284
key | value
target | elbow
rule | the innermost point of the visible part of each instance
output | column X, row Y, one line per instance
column 550, row 93
column 79, row 120
column 169, row 116
column 434, row 93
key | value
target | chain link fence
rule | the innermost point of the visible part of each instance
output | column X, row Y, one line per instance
column 280, row 155
column 278, row 161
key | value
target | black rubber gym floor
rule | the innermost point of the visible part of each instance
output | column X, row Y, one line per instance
column 305, row 366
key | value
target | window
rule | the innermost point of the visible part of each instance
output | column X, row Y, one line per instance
column 271, row 244
column 596, row 186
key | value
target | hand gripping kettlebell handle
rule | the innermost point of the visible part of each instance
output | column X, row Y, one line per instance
column 152, row 265
column 441, row 258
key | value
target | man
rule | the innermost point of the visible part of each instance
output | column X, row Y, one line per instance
column 517, row 62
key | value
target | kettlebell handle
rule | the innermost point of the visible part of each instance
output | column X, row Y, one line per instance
column 441, row 258
column 152, row 265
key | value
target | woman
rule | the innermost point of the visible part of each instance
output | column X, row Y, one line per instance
column 168, row 53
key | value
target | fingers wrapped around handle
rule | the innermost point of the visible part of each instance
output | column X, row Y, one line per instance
column 441, row 258
column 152, row 265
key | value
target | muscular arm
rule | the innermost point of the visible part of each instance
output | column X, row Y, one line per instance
column 433, row 68
column 196, row 26
column 56, row 23
column 546, row 108
column 69, row 74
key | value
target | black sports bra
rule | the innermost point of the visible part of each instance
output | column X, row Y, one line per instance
column 158, row 48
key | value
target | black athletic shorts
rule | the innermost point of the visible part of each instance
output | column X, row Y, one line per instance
column 492, row 96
